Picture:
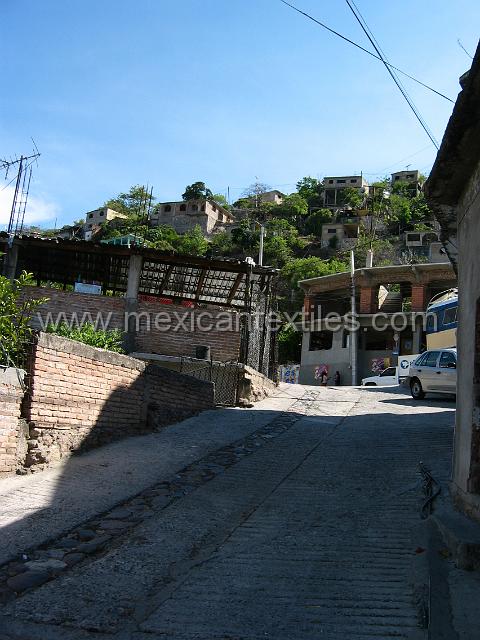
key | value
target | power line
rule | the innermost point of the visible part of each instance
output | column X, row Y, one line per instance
column 462, row 47
column 402, row 90
column 370, row 53
column 376, row 173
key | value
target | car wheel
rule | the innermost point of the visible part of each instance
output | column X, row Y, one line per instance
column 370, row 384
column 416, row 389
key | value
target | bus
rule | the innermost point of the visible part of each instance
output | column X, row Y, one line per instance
column 442, row 320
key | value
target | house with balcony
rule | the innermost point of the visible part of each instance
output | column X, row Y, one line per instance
column 184, row 215
column 334, row 187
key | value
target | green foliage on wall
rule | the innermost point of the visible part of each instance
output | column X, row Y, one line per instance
column 87, row 333
column 16, row 312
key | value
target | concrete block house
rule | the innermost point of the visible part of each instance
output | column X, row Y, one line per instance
column 391, row 303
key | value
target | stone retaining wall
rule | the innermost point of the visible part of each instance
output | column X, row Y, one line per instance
column 254, row 386
column 12, row 438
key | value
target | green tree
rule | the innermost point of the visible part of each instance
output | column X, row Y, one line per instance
column 311, row 267
column 276, row 251
column 316, row 220
column 196, row 191
column 244, row 203
column 16, row 312
column 192, row 243
column 384, row 251
column 293, row 207
column 221, row 200
column 351, row 197
column 311, row 190
column 222, row 244
column 131, row 203
column 163, row 237
column 289, row 345
column 246, row 235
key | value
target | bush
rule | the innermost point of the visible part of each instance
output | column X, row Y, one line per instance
column 192, row 243
column 222, row 244
column 316, row 220
column 108, row 339
column 15, row 316
column 289, row 345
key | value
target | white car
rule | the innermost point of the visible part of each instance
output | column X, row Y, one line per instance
column 388, row 378
column 435, row 371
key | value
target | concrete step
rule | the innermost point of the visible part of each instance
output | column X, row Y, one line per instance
column 460, row 534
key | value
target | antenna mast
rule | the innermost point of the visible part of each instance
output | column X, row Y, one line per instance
column 22, row 188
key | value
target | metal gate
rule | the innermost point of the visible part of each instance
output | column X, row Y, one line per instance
column 225, row 376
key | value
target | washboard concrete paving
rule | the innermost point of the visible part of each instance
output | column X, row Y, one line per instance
column 297, row 518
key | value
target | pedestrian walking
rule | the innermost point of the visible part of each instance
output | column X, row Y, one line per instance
column 324, row 378
column 336, row 379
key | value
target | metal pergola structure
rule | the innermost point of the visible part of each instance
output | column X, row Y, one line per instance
column 204, row 281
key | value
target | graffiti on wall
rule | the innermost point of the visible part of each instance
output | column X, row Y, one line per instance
column 289, row 373
column 320, row 370
column 379, row 364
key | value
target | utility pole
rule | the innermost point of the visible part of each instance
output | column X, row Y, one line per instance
column 260, row 251
column 353, row 333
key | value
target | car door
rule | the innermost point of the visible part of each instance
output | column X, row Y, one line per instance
column 447, row 372
column 427, row 372
column 389, row 376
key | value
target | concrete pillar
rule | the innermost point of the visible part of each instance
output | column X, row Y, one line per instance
column 131, row 301
column 134, row 271
column 368, row 299
column 10, row 262
column 416, row 339
column 419, row 297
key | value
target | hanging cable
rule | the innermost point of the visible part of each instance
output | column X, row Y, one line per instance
column 370, row 53
column 402, row 90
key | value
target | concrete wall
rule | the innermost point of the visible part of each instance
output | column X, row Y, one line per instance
column 12, row 436
column 338, row 359
column 466, row 473
column 80, row 397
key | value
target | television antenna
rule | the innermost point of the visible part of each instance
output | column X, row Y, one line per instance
column 22, row 179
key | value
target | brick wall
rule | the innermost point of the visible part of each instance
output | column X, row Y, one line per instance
column 86, row 307
column 225, row 345
column 184, row 335
column 368, row 299
column 11, row 432
column 419, row 297
column 80, row 397
column 172, row 396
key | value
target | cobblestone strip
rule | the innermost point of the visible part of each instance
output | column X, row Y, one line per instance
column 48, row 561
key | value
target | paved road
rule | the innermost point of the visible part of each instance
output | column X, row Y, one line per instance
column 308, row 534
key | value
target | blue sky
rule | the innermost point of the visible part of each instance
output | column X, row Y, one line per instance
column 165, row 92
